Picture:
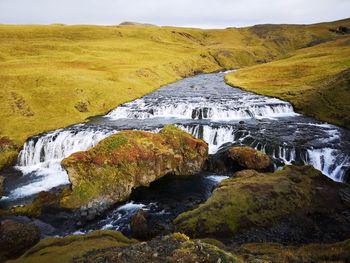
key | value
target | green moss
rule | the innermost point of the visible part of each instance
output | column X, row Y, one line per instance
column 116, row 142
column 66, row 248
column 246, row 201
column 129, row 159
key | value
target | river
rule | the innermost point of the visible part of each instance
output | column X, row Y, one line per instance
column 206, row 107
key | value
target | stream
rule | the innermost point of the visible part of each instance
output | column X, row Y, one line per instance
column 204, row 106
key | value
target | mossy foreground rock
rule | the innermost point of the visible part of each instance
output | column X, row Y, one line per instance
column 111, row 246
column 310, row 253
column 107, row 173
column 310, row 204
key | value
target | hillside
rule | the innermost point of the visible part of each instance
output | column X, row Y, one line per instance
column 56, row 75
column 315, row 80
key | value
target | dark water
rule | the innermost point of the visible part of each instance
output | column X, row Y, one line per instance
column 207, row 108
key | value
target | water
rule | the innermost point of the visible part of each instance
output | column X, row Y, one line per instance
column 205, row 107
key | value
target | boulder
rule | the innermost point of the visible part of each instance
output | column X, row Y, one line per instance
column 232, row 159
column 296, row 204
column 249, row 158
column 112, row 246
column 107, row 173
column 16, row 238
column 139, row 225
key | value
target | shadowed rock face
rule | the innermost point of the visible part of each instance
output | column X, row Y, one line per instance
column 16, row 238
column 294, row 205
column 107, row 173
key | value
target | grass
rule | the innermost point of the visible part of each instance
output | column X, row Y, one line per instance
column 56, row 75
column 314, row 79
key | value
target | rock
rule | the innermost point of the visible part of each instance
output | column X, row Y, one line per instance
column 310, row 253
column 139, row 225
column 42, row 201
column 112, row 246
column 107, row 173
column 16, row 238
column 248, row 158
column 1, row 185
column 296, row 204
column 8, row 152
column 232, row 159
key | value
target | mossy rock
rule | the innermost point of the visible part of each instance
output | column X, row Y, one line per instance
column 8, row 152
column 108, row 172
column 309, row 253
column 42, row 201
column 253, row 200
column 236, row 158
column 65, row 249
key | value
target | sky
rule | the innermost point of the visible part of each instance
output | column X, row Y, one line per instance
column 185, row 13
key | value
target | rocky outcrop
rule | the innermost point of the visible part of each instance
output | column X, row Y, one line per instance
column 108, row 173
column 232, row 159
column 294, row 205
column 111, row 246
column 8, row 152
column 16, row 238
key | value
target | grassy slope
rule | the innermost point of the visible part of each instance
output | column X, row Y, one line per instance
column 314, row 79
column 53, row 76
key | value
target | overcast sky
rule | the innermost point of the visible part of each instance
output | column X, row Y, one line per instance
column 192, row 13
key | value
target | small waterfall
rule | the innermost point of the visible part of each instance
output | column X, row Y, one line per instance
column 41, row 156
column 329, row 161
column 202, row 110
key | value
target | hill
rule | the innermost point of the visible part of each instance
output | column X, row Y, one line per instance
column 56, row 75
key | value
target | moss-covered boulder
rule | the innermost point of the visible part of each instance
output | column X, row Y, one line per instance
column 8, row 152
column 256, row 201
column 232, row 159
column 107, row 173
column 41, row 202
column 16, row 238
column 310, row 253
column 111, row 246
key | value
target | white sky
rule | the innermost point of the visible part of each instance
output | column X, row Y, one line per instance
column 191, row 13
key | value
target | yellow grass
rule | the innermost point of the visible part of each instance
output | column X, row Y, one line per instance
column 53, row 76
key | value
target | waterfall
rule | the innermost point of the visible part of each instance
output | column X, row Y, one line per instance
column 331, row 162
column 201, row 110
column 41, row 156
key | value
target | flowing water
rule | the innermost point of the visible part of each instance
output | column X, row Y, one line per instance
column 205, row 107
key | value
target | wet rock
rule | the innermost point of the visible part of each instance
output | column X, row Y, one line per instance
column 107, row 173
column 295, row 205
column 139, row 225
column 111, row 246
column 232, row 159
column 16, row 238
